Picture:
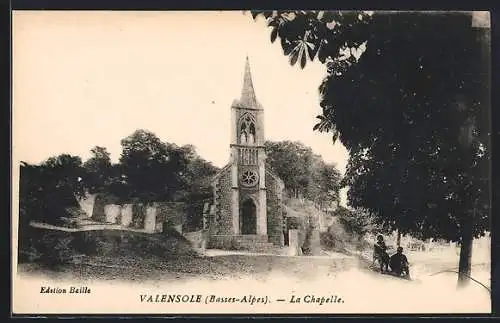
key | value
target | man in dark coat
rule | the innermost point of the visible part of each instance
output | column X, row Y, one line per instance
column 399, row 263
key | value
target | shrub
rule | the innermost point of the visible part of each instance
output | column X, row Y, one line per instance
column 339, row 239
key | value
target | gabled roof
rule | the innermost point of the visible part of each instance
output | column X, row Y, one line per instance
column 220, row 172
column 276, row 177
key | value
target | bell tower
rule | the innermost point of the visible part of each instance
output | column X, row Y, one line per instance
column 248, row 159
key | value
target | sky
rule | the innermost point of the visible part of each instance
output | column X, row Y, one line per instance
column 82, row 79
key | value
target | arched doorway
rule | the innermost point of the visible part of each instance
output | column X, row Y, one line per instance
column 248, row 217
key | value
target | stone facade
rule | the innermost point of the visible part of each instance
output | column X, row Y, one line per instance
column 274, row 195
column 247, row 195
column 221, row 222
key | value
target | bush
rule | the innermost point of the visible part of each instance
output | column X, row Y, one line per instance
column 355, row 222
column 53, row 250
column 302, row 216
column 338, row 239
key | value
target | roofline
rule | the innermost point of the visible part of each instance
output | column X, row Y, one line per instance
column 276, row 177
column 219, row 173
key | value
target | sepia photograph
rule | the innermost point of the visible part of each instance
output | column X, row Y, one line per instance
column 251, row 162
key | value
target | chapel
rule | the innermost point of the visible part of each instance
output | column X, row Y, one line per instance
column 247, row 209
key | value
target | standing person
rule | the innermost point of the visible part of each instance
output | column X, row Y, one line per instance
column 380, row 253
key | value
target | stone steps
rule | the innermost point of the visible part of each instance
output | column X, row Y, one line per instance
column 259, row 245
column 251, row 237
column 252, row 243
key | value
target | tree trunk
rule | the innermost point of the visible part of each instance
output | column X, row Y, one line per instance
column 481, row 22
column 398, row 239
column 464, row 265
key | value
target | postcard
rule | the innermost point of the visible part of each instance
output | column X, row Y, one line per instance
column 246, row 162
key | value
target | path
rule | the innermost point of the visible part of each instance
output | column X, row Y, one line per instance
column 326, row 254
column 85, row 227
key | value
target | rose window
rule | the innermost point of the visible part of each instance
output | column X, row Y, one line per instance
column 249, row 178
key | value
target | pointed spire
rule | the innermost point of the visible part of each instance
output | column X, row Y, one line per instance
column 248, row 98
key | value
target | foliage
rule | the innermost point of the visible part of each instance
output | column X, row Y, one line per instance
column 331, row 36
column 411, row 106
column 52, row 247
column 98, row 170
column 355, row 221
column 348, row 230
column 302, row 216
column 305, row 174
column 199, row 173
column 149, row 170
column 47, row 190
column 64, row 173
column 338, row 238
column 152, row 169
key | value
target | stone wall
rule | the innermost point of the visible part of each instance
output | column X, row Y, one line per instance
column 170, row 215
column 126, row 215
column 149, row 217
column 112, row 213
column 138, row 215
column 226, row 242
column 223, row 221
column 294, row 243
column 87, row 204
column 98, row 208
column 198, row 239
column 274, row 211
column 99, row 211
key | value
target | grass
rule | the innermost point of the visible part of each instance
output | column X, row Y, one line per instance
column 212, row 268
column 53, row 248
column 135, row 256
column 125, row 255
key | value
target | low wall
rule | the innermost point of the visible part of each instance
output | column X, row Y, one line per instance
column 198, row 239
column 126, row 215
column 87, row 204
column 171, row 213
column 112, row 213
column 294, row 242
column 151, row 218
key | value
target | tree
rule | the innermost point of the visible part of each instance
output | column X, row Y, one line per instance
column 356, row 221
column 288, row 160
column 98, row 169
column 330, row 179
column 64, row 174
column 153, row 170
column 31, row 205
column 305, row 174
column 199, row 173
column 48, row 189
column 398, row 95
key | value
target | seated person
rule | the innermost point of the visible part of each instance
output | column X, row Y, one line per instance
column 380, row 253
column 399, row 263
